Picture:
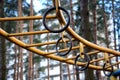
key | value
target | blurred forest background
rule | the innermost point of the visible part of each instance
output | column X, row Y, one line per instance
column 97, row 21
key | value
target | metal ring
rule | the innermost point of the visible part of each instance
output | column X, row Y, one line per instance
column 104, row 69
column 60, row 30
column 87, row 59
column 63, row 54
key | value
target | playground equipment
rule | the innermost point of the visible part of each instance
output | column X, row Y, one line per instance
column 107, row 63
column 64, row 39
column 115, row 74
column 83, row 56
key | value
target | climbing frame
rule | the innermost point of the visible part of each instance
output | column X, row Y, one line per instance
column 67, row 36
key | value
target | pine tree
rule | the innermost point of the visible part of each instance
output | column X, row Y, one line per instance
column 30, row 59
column 20, row 58
column 85, row 28
column 3, row 69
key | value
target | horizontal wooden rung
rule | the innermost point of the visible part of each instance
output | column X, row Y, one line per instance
column 25, row 18
column 28, row 33
column 45, row 43
column 99, row 59
column 73, row 57
column 62, row 50
column 112, row 65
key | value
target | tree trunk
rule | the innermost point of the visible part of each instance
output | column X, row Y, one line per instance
column 17, row 56
column 94, row 21
column 15, row 63
column 48, row 68
column 86, row 33
column 98, row 73
column 61, row 70
column 20, row 49
column 72, row 15
column 105, row 24
column 77, row 75
column 30, row 60
column 75, row 72
column 113, row 16
column 2, row 46
column 48, row 60
column 68, row 69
